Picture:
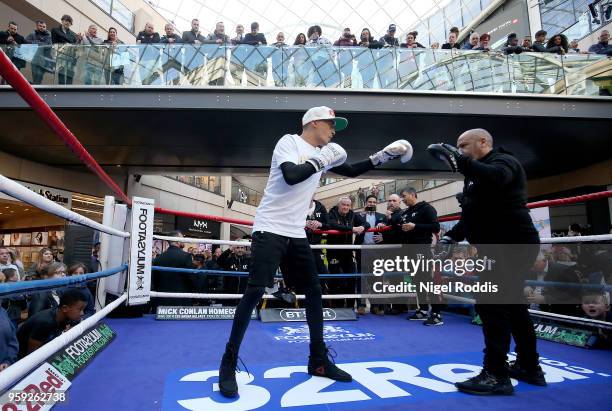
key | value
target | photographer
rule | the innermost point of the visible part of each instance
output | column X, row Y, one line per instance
column 347, row 39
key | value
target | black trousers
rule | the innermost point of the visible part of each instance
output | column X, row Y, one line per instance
column 499, row 322
column 294, row 256
column 510, row 317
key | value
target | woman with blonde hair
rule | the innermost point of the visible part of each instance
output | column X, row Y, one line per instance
column 37, row 269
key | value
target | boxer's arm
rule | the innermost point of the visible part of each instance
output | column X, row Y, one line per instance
column 355, row 169
column 296, row 173
column 499, row 172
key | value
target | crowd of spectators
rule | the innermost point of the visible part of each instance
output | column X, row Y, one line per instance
column 101, row 65
column 28, row 321
column 557, row 44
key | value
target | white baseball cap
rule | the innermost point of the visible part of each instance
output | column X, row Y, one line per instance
column 324, row 113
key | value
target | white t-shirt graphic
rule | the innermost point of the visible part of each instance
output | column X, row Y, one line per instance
column 283, row 208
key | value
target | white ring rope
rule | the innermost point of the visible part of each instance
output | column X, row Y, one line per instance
column 27, row 363
column 26, row 195
column 268, row 296
column 244, row 243
column 577, row 239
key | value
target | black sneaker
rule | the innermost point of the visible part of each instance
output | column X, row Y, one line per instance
column 319, row 364
column 486, row 384
column 418, row 315
column 227, row 372
column 285, row 295
column 533, row 377
column 434, row 319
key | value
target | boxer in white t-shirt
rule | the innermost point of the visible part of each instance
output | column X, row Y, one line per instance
column 279, row 238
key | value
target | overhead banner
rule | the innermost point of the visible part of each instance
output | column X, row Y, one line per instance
column 269, row 315
column 197, row 313
column 141, row 251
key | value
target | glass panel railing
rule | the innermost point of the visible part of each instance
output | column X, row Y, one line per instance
column 311, row 67
column 245, row 195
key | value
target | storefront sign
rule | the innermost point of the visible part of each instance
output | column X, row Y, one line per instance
column 194, row 227
column 61, row 197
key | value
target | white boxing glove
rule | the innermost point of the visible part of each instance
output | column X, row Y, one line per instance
column 398, row 149
column 331, row 155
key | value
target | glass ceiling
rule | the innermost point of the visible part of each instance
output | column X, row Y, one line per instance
column 295, row 16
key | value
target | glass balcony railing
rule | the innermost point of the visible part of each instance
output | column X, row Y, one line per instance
column 245, row 195
column 311, row 67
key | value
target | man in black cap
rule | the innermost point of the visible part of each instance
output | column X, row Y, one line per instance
column 495, row 190
column 389, row 39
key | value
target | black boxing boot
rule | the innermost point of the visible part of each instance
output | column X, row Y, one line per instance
column 227, row 372
column 319, row 364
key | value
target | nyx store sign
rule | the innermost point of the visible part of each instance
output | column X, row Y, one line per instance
column 192, row 227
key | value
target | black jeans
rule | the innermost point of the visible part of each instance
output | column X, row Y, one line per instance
column 509, row 317
column 499, row 322
column 270, row 251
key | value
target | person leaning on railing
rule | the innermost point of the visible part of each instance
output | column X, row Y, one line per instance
column 602, row 47
column 148, row 35
column 366, row 40
column 539, row 44
column 66, row 56
column 254, row 38
column 193, row 36
column 472, row 44
column 113, row 72
column 347, row 39
column 557, row 44
column 218, row 36
column 512, row 46
column 170, row 37
column 42, row 62
column 411, row 42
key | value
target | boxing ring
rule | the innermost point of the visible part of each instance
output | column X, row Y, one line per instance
column 172, row 365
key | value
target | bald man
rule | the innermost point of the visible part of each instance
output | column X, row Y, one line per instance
column 494, row 211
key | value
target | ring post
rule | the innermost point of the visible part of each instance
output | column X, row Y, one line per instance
column 141, row 251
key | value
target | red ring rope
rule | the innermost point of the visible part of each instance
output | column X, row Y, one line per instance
column 10, row 73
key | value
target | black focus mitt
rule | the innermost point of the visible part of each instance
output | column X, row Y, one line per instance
column 448, row 154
